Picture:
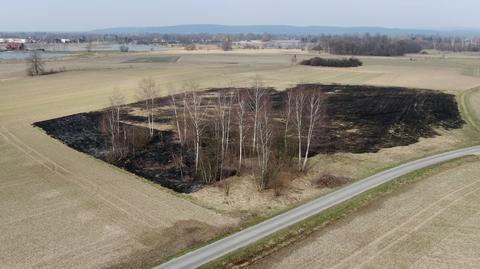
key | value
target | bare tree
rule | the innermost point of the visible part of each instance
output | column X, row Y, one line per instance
column 265, row 135
column 35, row 64
column 224, row 109
column 241, row 113
column 288, row 112
column 315, row 100
column 197, row 115
column 299, row 97
column 176, row 114
column 147, row 92
column 257, row 95
column 186, row 88
column 227, row 44
column 111, row 126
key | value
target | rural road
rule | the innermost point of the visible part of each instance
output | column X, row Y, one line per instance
column 245, row 237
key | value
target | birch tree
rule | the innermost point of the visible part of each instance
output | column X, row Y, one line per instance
column 241, row 113
column 187, row 87
column 265, row 135
column 173, row 101
column 257, row 94
column 112, row 127
column 299, row 98
column 288, row 112
column 147, row 92
column 197, row 115
column 315, row 100
column 224, row 110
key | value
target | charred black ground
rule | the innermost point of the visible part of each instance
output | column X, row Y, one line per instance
column 153, row 161
column 357, row 119
column 366, row 119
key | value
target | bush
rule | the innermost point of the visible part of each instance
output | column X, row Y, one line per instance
column 124, row 48
column 327, row 180
column 317, row 61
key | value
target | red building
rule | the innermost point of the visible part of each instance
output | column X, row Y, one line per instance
column 15, row 46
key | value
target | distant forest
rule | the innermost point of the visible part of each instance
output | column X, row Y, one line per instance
column 382, row 45
column 369, row 45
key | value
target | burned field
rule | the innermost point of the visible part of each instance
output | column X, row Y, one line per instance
column 354, row 119
column 362, row 119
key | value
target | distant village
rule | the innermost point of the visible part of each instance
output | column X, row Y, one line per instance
column 19, row 44
column 336, row 44
column 26, row 44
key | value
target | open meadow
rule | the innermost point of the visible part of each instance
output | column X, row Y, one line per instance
column 60, row 208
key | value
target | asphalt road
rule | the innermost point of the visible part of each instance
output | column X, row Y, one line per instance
column 245, row 237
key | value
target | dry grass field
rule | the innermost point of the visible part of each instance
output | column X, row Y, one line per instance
column 434, row 223
column 62, row 209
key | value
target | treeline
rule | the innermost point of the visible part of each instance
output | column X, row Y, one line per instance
column 345, row 62
column 377, row 45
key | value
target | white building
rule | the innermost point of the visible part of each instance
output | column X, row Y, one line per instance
column 245, row 44
column 285, row 44
column 13, row 40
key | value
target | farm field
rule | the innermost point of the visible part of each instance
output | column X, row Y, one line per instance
column 433, row 223
column 61, row 208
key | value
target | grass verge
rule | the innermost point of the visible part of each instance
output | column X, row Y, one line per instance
column 467, row 112
column 272, row 243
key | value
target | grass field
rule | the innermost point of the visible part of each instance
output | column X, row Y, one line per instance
column 61, row 208
column 157, row 59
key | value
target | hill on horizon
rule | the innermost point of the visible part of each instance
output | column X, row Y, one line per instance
column 279, row 29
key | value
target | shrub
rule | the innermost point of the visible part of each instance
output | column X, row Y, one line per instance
column 317, row 61
column 327, row 180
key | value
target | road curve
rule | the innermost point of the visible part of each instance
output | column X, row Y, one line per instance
column 247, row 236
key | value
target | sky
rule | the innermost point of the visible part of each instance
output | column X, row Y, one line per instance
column 85, row 15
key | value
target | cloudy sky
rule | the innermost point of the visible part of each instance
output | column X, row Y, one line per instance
column 81, row 15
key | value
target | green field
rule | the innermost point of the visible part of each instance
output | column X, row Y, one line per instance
column 159, row 59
